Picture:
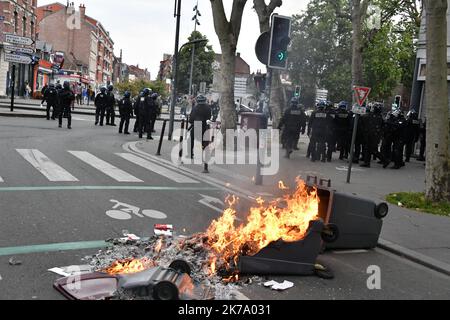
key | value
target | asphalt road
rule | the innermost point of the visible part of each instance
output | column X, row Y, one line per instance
column 57, row 185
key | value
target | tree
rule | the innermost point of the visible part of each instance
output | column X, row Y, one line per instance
column 228, row 33
column 135, row 87
column 437, row 166
column 204, row 58
column 264, row 13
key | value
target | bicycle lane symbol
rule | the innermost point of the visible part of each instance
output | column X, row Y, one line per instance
column 124, row 211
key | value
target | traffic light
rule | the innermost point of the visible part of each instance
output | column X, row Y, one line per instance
column 280, row 38
column 297, row 92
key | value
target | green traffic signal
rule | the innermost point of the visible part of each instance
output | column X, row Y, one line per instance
column 281, row 56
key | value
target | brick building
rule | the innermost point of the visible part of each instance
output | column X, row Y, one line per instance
column 136, row 73
column 87, row 45
column 17, row 17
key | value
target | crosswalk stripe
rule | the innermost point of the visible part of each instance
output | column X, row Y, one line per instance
column 105, row 167
column 172, row 175
column 47, row 167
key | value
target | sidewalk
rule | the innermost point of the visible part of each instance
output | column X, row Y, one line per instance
column 421, row 237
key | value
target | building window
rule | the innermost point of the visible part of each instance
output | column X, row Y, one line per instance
column 16, row 22
column 32, row 29
column 24, row 26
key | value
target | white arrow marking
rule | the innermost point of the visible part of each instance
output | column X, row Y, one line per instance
column 208, row 200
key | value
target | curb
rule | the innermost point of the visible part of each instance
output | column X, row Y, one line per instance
column 415, row 256
column 22, row 115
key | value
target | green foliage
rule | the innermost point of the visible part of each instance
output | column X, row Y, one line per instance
column 322, row 49
column 418, row 202
column 135, row 87
column 204, row 58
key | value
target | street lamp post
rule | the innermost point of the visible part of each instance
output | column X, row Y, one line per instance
column 177, row 14
column 196, row 22
column 175, row 85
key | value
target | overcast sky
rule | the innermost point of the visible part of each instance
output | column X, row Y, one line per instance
column 145, row 29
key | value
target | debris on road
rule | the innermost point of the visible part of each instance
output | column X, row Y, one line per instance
column 279, row 286
column 13, row 262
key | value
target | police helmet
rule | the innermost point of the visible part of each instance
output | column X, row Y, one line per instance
column 103, row 90
column 59, row 86
column 66, row 85
column 201, row 99
column 343, row 105
column 294, row 102
column 110, row 88
column 127, row 94
column 155, row 96
column 51, row 85
column 322, row 105
column 412, row 114
column 147, row 91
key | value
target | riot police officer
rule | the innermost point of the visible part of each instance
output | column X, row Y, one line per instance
column 51, row 96
column 136, row 111
column 294, row 123
column 110, row 105
column 317, row 131
column 342, row 127
column 423, row 141
column 101, row 101
column 66, row 99
column 156, row 112
column 331, row 131
column 126, row 112
column 200, row 113
column 371, row 134
column 412, row 133
column 146, row 108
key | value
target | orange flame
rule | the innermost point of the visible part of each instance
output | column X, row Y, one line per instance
column 282, row 186
column 128, row 266
column 284, row 219
column 158, row 246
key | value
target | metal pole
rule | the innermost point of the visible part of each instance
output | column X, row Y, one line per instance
column 175, row 69
column 13, row 86
column 191, row 76
column 161, row 138
column 352, row 148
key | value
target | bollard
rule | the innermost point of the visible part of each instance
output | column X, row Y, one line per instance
column 161, row 138
column 205, row 168
column 180, row 153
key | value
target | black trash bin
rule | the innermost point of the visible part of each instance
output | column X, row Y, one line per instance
column 359, row 221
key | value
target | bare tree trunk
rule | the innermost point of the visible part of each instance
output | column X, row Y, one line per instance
column 276, row 102
column 359, row 11
column 228, row 34
column 437, row 175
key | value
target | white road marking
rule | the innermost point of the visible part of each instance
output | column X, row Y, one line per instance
column 47, row 167
column 169, row 174
column 1, row 180
column 103, row 166
column 351, row 251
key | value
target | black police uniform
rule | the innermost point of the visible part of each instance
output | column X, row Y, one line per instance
column 331, row 133
column 66, row 99
column 110, row 112
column 51, row 96
column 342, row 127
column 147, row 109
column 423, row 141
column 412, row 135
column 294, row 123
column 126, row 112
column 101, row 101
column 372, row 131
column 201, row 112
column 318, row 130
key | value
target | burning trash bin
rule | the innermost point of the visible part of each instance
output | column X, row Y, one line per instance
column 358, row 221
